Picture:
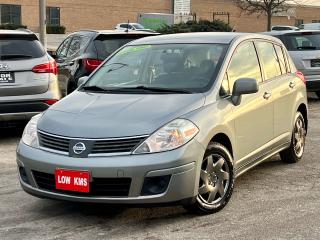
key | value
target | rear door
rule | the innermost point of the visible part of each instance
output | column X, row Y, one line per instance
column 19, row 54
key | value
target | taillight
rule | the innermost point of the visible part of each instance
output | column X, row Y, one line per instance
column 301, row 76
column 50, row 101
column 50, row 67
column 91, row 64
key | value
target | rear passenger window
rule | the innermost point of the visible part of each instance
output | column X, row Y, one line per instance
column 244, row 64
column 269, row 60
column 281, row 59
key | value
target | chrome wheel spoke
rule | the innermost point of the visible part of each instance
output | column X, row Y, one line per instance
column 204, row 175
column 204, row 189
column 212, row 195
column 210, row 164
column 217, row 167
column 221, row 189
column 224, row 176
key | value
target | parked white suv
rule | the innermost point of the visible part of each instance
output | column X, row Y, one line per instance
column 28, row 81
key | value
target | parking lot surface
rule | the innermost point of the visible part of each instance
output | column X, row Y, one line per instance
column 273, row 201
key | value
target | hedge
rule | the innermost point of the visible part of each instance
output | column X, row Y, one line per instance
column 56, row 29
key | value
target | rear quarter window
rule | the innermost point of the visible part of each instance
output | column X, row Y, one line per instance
column 107, row 44
column 15, row 47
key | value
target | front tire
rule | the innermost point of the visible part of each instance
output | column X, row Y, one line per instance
column 216, row 180
column 295, row 152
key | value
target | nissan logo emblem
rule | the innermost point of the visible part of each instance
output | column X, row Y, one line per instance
column 79, row 148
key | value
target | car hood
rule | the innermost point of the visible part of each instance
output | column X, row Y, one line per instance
column 95, row 115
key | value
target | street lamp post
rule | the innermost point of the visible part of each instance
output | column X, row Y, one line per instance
column 42, row 23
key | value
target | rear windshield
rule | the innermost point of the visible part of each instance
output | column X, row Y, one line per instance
column 106, row 44
column 302, row 42
column 15, row 47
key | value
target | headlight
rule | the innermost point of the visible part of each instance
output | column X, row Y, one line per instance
column 171, row 136
column 30, row 136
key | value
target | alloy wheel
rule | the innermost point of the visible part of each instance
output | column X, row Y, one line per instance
column 299, row 136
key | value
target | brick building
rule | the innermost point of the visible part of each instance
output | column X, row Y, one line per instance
column 105, row 14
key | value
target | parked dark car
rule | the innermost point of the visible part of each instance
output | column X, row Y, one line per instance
column 83, row 51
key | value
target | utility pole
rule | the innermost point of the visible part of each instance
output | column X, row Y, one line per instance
column 43, row 23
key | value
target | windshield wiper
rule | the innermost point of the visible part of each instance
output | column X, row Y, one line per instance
column 14, row 56
column 158, row 89
column 94, row 88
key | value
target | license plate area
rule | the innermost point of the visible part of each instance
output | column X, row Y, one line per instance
column 315, row 63
column 7, row 77
column 70, row 180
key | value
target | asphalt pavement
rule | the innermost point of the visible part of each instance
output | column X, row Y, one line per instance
column 273, row 201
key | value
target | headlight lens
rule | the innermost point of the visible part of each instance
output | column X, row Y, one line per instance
column 171, row 136
column 30, row 135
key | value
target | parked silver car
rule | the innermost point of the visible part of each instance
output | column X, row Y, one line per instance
column 169, row 119
column 304, row 49
column 28, row 82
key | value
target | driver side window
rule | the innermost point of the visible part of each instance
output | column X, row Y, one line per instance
column 244, row 64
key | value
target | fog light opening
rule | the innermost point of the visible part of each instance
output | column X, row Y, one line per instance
column 155, row 185
column 23, row 175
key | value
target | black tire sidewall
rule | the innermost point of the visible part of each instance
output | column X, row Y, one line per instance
column 216, row 148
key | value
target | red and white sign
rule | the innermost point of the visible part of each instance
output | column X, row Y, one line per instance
column 77, row 181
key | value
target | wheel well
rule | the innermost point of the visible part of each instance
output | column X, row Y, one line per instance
column 303, row 109
column 224, row 140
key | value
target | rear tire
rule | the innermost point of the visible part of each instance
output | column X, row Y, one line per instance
column 318, row 94
column 216, row 181
column 295, row 152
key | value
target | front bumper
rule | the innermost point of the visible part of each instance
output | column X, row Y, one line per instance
column 182, row 165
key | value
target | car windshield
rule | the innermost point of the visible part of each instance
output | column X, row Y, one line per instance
column 302, row 42
column 189, row 67
column 138, row 26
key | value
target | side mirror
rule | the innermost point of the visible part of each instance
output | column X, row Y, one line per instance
column 82, row 80
column 243, row 86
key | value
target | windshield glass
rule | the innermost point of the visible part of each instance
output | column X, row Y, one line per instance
column 302, row 42
column 138, row 26
column 171, row 66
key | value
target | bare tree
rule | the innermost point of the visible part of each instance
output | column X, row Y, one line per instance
column 269, row 7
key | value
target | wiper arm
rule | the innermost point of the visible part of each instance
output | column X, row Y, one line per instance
column 14, row 56
column 94, row 88
column 162, row 90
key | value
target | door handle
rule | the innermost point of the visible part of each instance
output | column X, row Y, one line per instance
column 267, row 95
column 292, row 84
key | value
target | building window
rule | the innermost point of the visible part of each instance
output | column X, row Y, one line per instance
column 10, row 14
column 299, row 22
column 53, row 16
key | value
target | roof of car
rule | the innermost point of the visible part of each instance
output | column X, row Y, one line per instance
column 19, row 31
column 111, row 32
column 289, row 32
column 203, row 37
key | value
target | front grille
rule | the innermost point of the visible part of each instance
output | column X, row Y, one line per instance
column 105, row 146
column 107, row 187
column 52, row 142
column 116, row 146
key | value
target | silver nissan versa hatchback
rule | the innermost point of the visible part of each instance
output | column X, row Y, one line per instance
column 169, row 119
column 28, row 82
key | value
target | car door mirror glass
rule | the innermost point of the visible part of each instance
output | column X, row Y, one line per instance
column 243, row 86
column 82, row 80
